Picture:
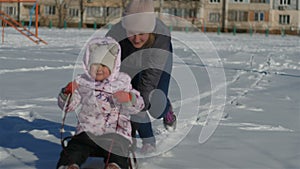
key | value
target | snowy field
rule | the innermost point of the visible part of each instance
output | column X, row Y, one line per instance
column 241, row 93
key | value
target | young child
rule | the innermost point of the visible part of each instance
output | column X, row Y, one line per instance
column 106, row 99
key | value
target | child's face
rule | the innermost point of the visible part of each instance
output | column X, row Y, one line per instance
column 99, row 72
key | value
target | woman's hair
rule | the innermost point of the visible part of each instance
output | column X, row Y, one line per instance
column 150, row 41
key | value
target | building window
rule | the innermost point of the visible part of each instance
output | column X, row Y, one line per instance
column 49, row 10
column 95, row 11
column 259, row 1
column 74, row 12
column 192, row 13
column 214, row 1
column 180, row 12
column 259, row 16
column 186, row 13
column 285, row 2
column 31, row 9
column 232, row 15
column 10, row 10
column 239, row 16
column 214, row 17
column 284, row 19
column 243, row 16
column 171, row 11
column 165, row 10
column 239, row 0
column 112, row 11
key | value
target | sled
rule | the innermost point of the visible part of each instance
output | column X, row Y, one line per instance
column 132, row 160
column 95, row 164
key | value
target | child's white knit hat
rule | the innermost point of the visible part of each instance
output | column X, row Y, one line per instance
column 139, row 16
column 103, row 54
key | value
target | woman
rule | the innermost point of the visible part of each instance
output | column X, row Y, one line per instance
column 147, row 57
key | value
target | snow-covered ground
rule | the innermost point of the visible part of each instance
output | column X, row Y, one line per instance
column 250, row 84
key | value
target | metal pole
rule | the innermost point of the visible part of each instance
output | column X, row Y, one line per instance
column 36, row 19
column 2, row 32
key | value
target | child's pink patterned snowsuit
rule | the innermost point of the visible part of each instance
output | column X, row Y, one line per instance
column 99, row 113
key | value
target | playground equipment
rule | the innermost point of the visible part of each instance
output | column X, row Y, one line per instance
column 8, row 20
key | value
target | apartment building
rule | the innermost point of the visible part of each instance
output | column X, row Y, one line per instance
column 285, row 16
column 70, row 12
column 227, row 15
column 248, row 14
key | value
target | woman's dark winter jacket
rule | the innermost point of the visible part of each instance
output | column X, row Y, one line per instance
column 149, row 67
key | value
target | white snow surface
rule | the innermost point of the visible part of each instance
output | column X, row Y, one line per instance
column 243, row 89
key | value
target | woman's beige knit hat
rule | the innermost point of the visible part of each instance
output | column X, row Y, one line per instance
column 139, row 16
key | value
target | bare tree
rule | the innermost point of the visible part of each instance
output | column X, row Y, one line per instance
column 81, row 10
column 62, row 6
column 224, row 11
column 123, row 5
column 191, row 8
column 110, row 9
column 161, row 4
